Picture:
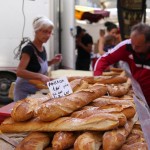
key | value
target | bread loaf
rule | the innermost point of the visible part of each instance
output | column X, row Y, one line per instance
column 39, row 84
column 114, row 139
column 119, row 89
column 124, row 106
column 25, row 109
column 89, row 79
column 78, row 84
column 97, row 122
column 135, row 140
column 63, row 140
column 111, row 80
column 63, row 106
column 95, row 110
column 110, row 73
column 34, row 141
column 135, row 146
column 88, row 141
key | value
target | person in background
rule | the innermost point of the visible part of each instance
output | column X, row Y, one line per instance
column 33, row 59
column 134, row 51
column 84, row 44
column 112, row 30
column 107, row 40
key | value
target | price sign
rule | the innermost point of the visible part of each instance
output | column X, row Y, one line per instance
column 59, row 87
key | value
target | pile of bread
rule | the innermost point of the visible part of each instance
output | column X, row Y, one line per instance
column 99, row 115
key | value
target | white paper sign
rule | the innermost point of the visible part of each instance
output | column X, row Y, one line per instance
column 59, row 87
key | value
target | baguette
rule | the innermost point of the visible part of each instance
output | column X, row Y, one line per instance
column 111, row 80
column 89, row 79
column 78, row 84
column 63, row 106
column 116, row 69
column 34, row 141
column 135, row 146
column 111, row 73
column 135, row 139
column 88, row 141
column 95, row 110
column 97, row 122
column 63, row 140
column 39, row 84
column 114, row 139
column 25, row 109
column 124, row 106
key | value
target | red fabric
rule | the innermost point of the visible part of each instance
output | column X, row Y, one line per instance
column 139, row 72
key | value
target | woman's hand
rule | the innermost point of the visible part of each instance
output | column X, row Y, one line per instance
column 56, row 59
column 45, row 79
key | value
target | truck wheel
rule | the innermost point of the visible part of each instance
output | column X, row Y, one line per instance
column 5, row 82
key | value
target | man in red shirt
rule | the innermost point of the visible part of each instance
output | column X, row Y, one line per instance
column 136, row 52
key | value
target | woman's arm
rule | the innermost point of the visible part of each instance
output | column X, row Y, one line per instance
column 101, row 42
column 56, row 59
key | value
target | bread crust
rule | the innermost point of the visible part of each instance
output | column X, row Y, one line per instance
column 63, row 140
column 88, row 141
column 97, row 122
column 25, row 109
column 34, row 141
column 63, row 106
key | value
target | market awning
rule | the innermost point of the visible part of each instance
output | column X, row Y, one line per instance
column 89, row 13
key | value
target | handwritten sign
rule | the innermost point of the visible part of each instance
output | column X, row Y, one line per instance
column 59, row 87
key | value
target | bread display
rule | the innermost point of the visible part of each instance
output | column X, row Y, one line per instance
column 92, row 117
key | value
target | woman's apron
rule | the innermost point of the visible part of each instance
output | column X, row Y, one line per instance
column 23, row 88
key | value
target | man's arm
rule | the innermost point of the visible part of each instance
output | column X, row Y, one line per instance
column 118, row 53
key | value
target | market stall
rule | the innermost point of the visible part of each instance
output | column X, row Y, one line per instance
column 100, row 113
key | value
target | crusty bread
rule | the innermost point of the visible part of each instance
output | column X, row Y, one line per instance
column 63, row 106
column 88, row 141
column 111, row 73
column 124, row 106
column 111, row 80
column 119, row 90
column 95, row 110
column 135, row 139
column 25, row 109
column 78, row 84
column 135, row 146
column 89, row 79
column 34, row 141
column 39, row 84
column 114, row 139
column 116, row 69
column 97, row 122
column 63, row 140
